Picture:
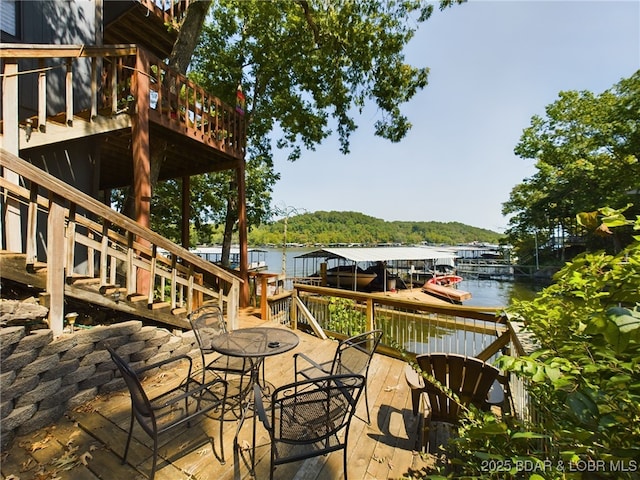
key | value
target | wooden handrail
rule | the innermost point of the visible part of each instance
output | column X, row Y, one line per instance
column 36, row 50
column 75, row 196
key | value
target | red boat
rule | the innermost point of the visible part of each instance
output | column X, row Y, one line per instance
column 444, row 287
column 445, row 280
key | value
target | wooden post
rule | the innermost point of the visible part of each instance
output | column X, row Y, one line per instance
column 242, row 233
column 232, row 305
column 55, row 263
column 69, row 92
column 11, row 143
column 42, row 98
column 198, row 297
column 293, row 311
column 141, row 156
column 32, row 227
column 264, row 304
column 370, row 315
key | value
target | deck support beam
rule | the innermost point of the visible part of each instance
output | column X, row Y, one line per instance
column 141, row 156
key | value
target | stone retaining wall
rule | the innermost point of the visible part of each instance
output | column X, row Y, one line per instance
column 41, row 378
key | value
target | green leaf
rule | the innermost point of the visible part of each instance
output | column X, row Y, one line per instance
column 529, row 435
column 539, row 376
column 582, row 406
column 492, row 429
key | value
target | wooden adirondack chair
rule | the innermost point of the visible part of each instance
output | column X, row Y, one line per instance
column 469, row 378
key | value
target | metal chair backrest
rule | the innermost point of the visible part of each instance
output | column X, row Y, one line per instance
column 353, row 355
column 469, row 378
column 207, row 322
column 140, row 404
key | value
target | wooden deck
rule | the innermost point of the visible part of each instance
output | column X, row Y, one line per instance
column 89, row 441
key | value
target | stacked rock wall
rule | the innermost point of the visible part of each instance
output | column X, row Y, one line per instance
column 41, row 378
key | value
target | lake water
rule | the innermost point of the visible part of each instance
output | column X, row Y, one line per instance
column 485, row 293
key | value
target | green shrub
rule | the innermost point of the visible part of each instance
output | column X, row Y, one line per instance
column 584, row 378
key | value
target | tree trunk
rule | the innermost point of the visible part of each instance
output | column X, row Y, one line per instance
column 230, row 220
column 179, row 61
column 189, row 34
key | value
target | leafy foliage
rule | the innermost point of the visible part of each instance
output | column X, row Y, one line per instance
column 584, row 377
column 587, row 151
column 345, row 317
column 353, row 227
column 306, row 68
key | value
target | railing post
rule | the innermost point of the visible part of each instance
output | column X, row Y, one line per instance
column 42, row 99
column 293, row 311
column 114, row 85
column 71, row 240
column 69, row 92
column 10, row 142
column 232, row 305
column 55, row 262
column 264, row 304
column 32, row 226
column 370, row 315
column 94, row 89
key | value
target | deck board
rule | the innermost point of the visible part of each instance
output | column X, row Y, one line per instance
column 384, row 449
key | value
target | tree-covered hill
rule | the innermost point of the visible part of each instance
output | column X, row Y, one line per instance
column 353, row 227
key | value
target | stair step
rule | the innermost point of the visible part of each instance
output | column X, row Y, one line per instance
column 36, row 267
column 111, row 289
column 159, row 305
column 83, row 280
column 137, row 297
column 179, row 311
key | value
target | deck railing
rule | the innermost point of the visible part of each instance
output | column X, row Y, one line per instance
column 409, row 327
column 89, row 243
column 171, row 11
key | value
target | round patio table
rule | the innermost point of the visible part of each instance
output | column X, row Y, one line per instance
column 255, row 344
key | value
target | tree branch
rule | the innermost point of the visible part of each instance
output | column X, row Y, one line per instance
column 312, row 24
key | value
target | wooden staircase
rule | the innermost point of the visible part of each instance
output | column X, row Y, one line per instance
column 86, row 289
column 99, row 256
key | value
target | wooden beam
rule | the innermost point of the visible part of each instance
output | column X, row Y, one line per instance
column 141, row 156
column 496, row 345
column 17, row 50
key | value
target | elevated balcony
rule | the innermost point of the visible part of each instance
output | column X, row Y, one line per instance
column 81, row 91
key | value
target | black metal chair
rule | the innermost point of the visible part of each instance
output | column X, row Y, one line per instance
column 353, row 356
column 309, row 418
column 166, row 411
column 207, row 322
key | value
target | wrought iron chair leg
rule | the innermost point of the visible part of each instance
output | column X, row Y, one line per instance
column 366, row 403
column 126, row 448
column 155, row 457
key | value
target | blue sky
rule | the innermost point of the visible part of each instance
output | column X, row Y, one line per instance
column 493, row 65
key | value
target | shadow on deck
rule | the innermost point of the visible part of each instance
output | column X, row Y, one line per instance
column 89, row 441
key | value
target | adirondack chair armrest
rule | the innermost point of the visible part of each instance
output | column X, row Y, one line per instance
column 413, row 378
column 417, row 386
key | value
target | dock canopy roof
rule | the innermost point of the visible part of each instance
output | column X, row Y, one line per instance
column 381, row 254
